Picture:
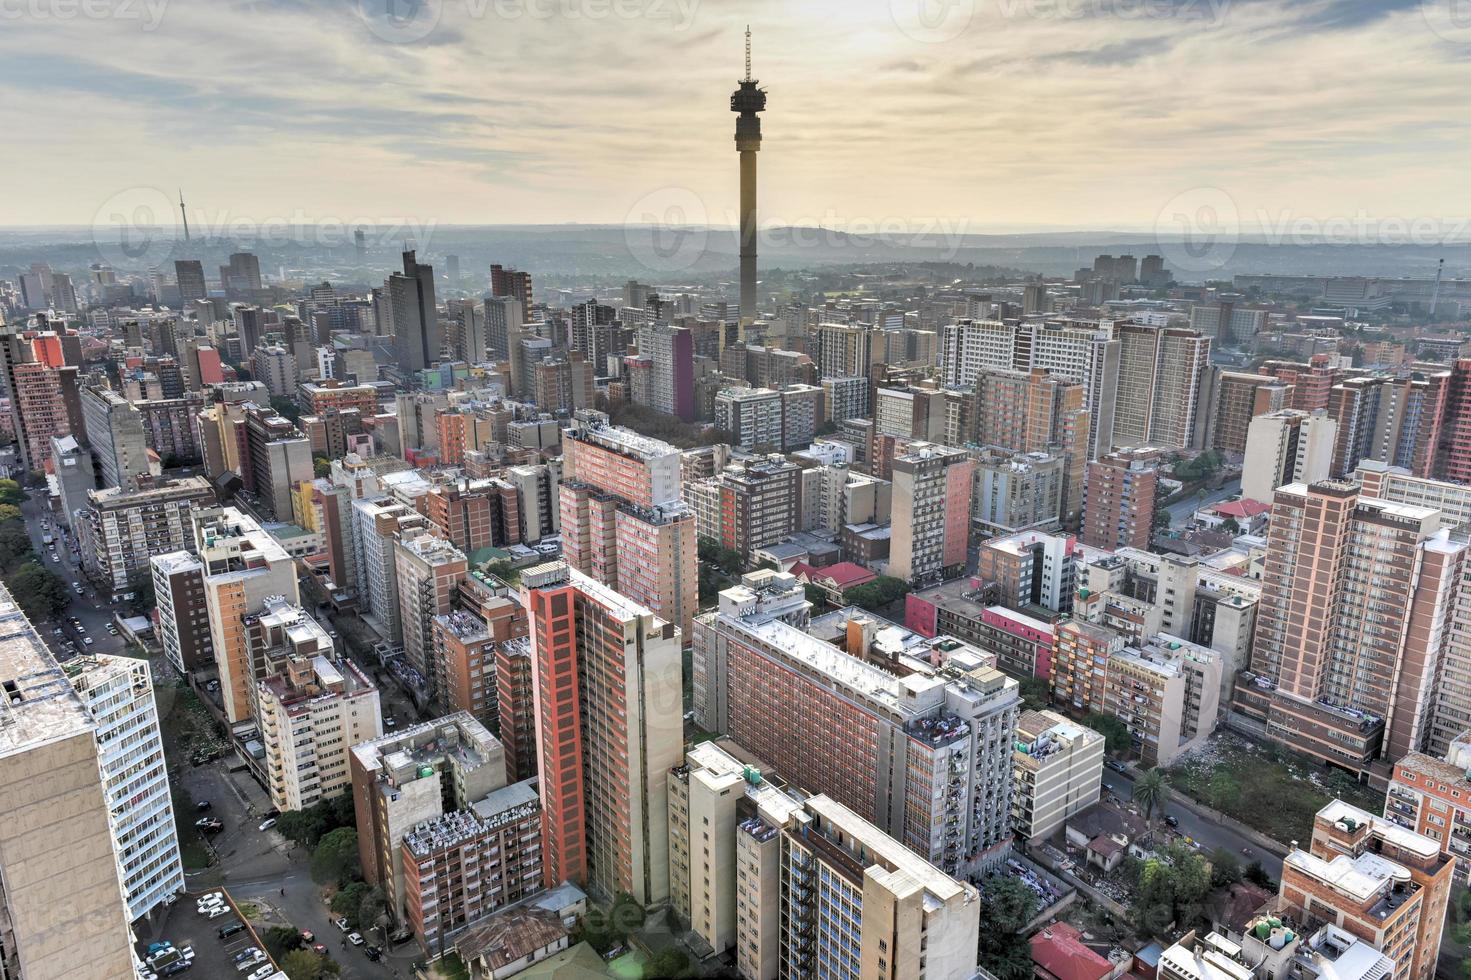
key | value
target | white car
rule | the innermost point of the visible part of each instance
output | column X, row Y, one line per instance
column 87, row 640
column 211, row 896
column 217, row 911
column 267, row 824
column 341, row 923
column 355, row 938
column 262, row 973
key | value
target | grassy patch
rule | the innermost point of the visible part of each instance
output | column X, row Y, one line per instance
column 1267, row 788
column 193, row 854
column 630, row 966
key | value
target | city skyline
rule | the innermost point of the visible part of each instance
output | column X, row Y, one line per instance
column 469, row 122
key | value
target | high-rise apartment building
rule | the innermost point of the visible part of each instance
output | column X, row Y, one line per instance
column 751, row 416
column 183, row 617
column 844, row 350
column 464, row 651
column 118, row 694
column 1119, row 498
column 1431, row 795
column 737, row 841
column 475, row 514
column 623, row 520
column 190, row 276
column 243, row 568
column 121, row 530
column 931, row 514
column 1375, row 880
column 1240, row 398
column 277, row 456
column 1357, row 601
column 416, row 328
column 926, row 756
column 1453, row 454
column 64, row 911
column 1162, row 376
column 1287, row 446
column 403, row 781
column 1034, row 412
column 380, row 522
column 1388, row 419
column 311, row 713
column 513, row 283
column 116, row 437
column 757, row 503
column 672, row 350
column 608, row 694
column 429, row 570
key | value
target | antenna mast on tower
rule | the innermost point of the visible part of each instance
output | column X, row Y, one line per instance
column 183, row 213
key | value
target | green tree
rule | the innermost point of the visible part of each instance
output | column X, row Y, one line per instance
column 8, row 513
column 321, row 466
column 1116, row 737
column 280, row 940
column 335, row 857
column 504, row 571
column 876, row 595
column 1150, row 792
column 670, row 962
column 304, row 964
column 1257, row 875
column 1222, row 790
column 1036, row 693
column 1225, row 869
column 287, row 407
column 1007, row 906
column 40, row 594
column 11, row 493
column 15, row 546
column 349, row 901
column 140, row 583
column 372, row 909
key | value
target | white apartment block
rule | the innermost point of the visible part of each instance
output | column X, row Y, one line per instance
column 311, row 715
column 118, row 694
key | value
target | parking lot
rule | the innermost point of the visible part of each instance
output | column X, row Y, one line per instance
column 184, row 926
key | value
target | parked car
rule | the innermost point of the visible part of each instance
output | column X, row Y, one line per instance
column 203, row 805
column 267, row 824
column 229, row 929
column 218, row 911
column 373, row 953
column 1171, row 820
column 248, row 953
column 262, row 973
column 356, row 938
column 341, row 923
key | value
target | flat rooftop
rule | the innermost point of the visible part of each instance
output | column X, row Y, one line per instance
column 39, row 703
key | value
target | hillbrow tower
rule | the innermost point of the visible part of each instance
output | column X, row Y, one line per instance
column 748, row 100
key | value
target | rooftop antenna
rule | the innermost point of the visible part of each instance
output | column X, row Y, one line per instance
column 183, row 213
column 748, row 52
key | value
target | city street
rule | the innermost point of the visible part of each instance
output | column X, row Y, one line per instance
column 1180, row 512
column 92, row 609
column 1208, row 834
column 264, row 869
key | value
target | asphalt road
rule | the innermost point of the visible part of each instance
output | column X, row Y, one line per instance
column 1180, row 512
column 94, row 612
column 265, row 869
column 1208, row 834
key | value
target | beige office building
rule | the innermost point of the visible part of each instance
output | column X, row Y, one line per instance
column 62, row 913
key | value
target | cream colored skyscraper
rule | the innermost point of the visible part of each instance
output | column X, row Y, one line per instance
column 243, row 566
column 62, row 912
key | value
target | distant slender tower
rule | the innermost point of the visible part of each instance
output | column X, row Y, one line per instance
column 748, row 100
column 183, row 214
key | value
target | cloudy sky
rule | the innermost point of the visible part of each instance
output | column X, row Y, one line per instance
column 986, row 114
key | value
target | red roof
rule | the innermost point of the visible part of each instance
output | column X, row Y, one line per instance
column 1059, row 951
column 1242, row 508
column 844, row 575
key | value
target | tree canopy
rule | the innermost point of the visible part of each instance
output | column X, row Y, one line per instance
column 1116, row 737
column 879, row 593
column 1007, row 905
